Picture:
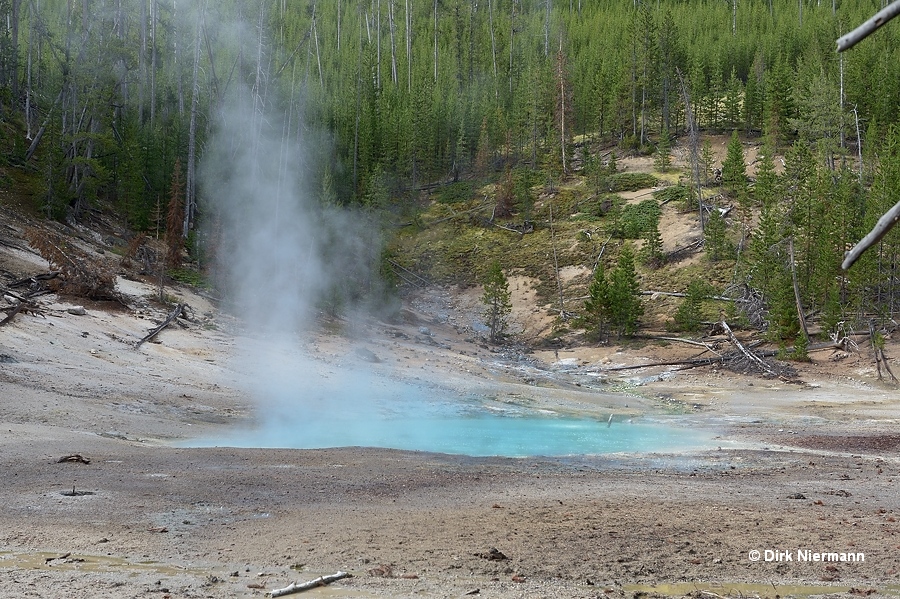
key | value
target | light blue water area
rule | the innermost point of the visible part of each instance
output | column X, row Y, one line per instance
column 467, row 425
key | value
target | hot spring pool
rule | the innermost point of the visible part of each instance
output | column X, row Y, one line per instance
column 468, row 426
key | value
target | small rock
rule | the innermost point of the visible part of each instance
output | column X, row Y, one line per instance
column 367, row 355
column 797, row 496
column 77, row 311
column 492, row 554
column 425, row 331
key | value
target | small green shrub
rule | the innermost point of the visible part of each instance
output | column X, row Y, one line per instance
column 635, row 219
column 455, row 193
column 672, row 193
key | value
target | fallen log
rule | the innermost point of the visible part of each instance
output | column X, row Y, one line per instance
column 175, row 313
column 312, row 584
column 12, row 314
column 692, row 362
column 753, row 358
column 35, row 278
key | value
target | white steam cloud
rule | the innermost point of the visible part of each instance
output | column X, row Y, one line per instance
column 282, row 255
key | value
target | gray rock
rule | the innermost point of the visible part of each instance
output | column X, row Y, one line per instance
column 77, row 310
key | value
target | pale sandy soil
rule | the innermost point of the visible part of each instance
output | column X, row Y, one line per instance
column 152, row 518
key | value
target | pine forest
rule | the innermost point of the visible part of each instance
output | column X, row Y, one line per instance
column 112, row 104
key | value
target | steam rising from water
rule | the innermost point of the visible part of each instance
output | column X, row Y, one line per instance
column 283, row 257
column 282, row 254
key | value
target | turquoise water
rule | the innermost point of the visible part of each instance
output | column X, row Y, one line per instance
column 468, row 426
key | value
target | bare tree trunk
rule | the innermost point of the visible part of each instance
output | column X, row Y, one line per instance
column 378, row 45
column 800, row 316
column 694, row 142
column 733, row 18
column 858, row 144
column 562, row 108
column 123, row 70
column 356, row 122
column 493, row 42
column 547, row 29
column 31, row 11
column 512, row 33
column 408, row 18
column 142, row 62
column 13, row 24
column 154, row 9
column 393, row 43
column 435, row 41
column 190, row 203
column 315, row 32
column 176, row 63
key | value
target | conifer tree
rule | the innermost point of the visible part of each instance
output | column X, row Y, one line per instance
column 596, row 307
column 497, row 301
column 651, row 252
column 625, row 307
column 688, row 317
column 716, row 234
column 734, row 170
column 663, row 159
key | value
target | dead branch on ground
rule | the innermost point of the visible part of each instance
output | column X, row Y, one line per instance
column 312, row 584
column 12, row 314
column 175, row 313
column 75, row 457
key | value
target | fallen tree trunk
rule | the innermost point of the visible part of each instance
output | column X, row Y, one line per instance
column 175, row 313
column 312, row 584
column 754, row 359
column 12, row 314
column 692, row 362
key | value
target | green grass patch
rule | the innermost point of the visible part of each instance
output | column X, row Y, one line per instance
column 188, row 276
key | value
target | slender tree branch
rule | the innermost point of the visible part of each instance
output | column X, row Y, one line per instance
column 884, row 224
column 869, row 27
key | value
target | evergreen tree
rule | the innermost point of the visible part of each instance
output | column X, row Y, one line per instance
column 733, row 96
column 625, row 307
column 689, row 315
column 663, row 159
column 734, row 170
column 717, row 245
column 651, row 252
column 596, row 307
column 496, row 298
column 707, row 161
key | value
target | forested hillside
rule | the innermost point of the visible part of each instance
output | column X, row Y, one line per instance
column 112, row 102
